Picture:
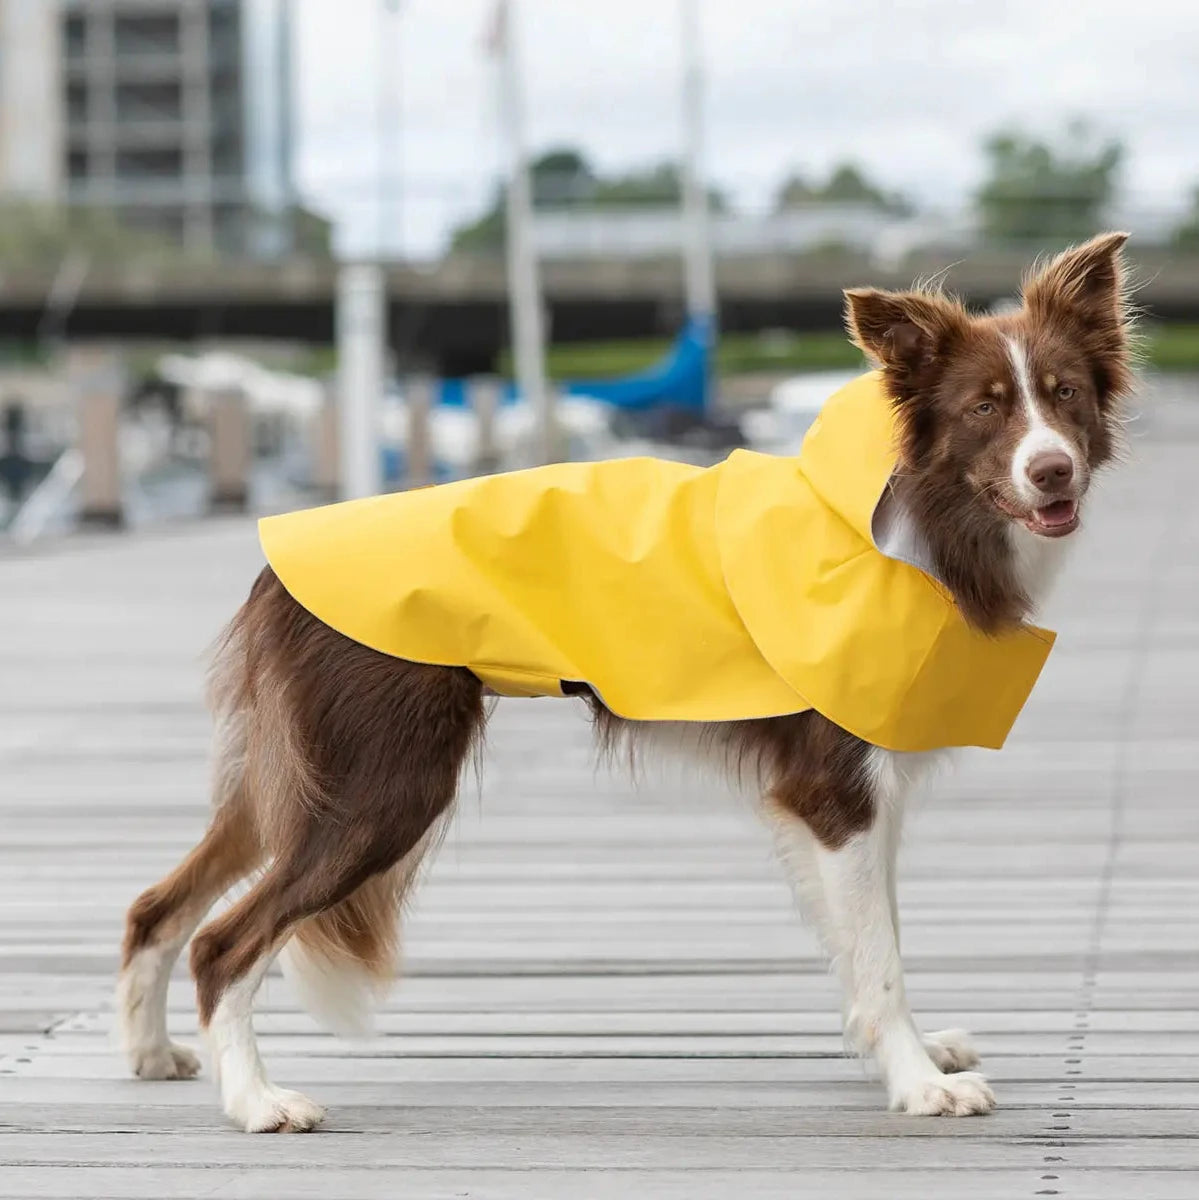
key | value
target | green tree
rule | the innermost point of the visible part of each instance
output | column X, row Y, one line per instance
column 846, row 184
column 563, row 178
column 660, row 184
column 41, row 235
column 1047, row 192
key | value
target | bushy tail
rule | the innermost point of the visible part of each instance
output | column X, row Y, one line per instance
column 342, row 961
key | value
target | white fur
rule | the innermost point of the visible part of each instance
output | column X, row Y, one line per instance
column 142, row 1015
column 248, row 1096
column 341, row 996
column 1041, row 437
column 1038, row 561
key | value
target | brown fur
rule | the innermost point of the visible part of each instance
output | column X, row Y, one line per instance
column 166, row 911
column 336, row 762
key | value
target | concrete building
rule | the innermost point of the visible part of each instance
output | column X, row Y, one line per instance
column 174, row 114
column 31, row 156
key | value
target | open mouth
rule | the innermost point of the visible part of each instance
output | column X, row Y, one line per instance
column 1056, row 519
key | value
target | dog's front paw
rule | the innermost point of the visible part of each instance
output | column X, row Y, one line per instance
column 168, row 1060
column 274, row 1110
column 965, row 1094
column 952, row 1050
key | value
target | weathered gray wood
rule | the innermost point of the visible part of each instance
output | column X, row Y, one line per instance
column 230, row 450
column 324, row 448
column 419, row 399
column 485, row 402
column 98, row 387
column 536, row 1182
column 606, row 990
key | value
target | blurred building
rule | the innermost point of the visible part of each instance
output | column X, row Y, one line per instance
column 620, row 233
column 173, row 114
column 31, row 149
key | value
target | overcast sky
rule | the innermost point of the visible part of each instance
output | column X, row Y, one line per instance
column 904, row 87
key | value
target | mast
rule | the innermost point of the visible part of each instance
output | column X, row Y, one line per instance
column 524, row 285
column 697, row 233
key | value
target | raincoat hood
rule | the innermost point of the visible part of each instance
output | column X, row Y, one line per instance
column 750, row 589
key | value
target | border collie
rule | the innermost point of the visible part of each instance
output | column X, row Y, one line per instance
column 335, row 766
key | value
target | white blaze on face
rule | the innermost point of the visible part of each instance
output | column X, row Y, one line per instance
column 1040, row 435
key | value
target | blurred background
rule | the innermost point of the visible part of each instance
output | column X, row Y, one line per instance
column 259, row 253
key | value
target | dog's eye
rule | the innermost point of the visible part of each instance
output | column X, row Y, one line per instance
column 1065, row 392
column 985, row 409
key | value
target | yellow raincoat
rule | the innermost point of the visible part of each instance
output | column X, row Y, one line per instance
column 750, row 589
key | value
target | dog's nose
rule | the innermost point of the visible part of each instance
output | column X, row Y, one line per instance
column 1050, row 470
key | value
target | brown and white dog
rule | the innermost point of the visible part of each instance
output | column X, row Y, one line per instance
column 336, row 765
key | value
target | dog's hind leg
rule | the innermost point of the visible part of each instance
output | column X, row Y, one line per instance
column 157, row 927
column 352, row 757
column 164, row 916
column 356, row 758
column 326, row 865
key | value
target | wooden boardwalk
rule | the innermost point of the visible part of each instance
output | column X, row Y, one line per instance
column 608, row 993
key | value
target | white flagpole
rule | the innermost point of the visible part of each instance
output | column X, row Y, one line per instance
column 361, row 367
column 697, row 237
column 524, row 287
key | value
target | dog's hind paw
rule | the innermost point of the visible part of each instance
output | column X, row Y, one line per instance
column 166, row 1061
column 952, row 1050
column 965, row 1094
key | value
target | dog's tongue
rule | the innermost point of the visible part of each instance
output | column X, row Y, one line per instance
column 1060, row 512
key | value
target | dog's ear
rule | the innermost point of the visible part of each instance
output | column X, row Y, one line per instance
column 904, row 332
column 1085, row 283
column 1082, row 292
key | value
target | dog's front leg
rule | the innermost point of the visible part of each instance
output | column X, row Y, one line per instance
column 950, row 1049
column 845, row 889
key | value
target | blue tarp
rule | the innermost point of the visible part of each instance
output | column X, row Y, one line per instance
column 683, row 379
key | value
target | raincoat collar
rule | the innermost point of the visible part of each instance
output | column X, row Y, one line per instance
column 849, row 454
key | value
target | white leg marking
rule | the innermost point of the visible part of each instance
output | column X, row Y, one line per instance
column 142, row 1015
column 880, row 1022
column 850, row 894
column 142, row 985
column 249, row 1097
column 893, row 776
column 1041, row 436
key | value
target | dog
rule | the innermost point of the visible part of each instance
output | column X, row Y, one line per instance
column 336, row 765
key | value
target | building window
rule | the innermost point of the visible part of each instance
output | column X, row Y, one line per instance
column 75, row 35
column 149, row 164
column 224, row 37
column 77, row 103
column 137, row 34
column 149, row 102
